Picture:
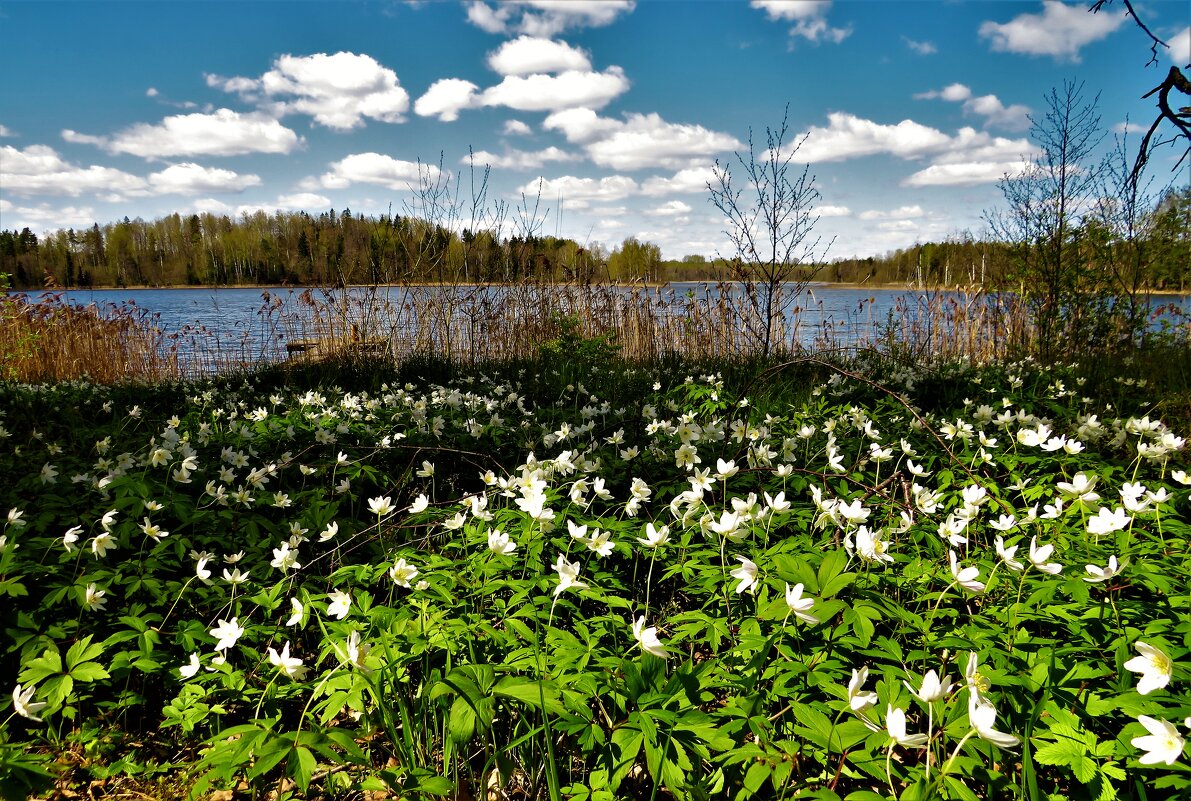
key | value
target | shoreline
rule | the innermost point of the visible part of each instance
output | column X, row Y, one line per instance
column 299, row 288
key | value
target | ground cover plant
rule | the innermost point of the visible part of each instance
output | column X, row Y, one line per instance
column 583, row 580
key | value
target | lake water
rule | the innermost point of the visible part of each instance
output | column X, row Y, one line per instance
column 244, row 327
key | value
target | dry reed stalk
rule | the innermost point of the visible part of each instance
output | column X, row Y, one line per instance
column 51, row 340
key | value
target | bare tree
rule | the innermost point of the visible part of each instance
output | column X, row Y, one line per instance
column 1175, row 80
column 770, row 222
column 1046, row 205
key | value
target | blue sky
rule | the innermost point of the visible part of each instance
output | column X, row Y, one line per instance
column 618, row 109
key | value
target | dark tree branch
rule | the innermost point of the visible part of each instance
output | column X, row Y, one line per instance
column 1155, row 42
column 1174, row 80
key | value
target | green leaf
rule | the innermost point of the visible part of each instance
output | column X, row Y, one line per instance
column 301, row 766
column 462, row 721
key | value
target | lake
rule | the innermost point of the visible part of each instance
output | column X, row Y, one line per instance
column 249, row 325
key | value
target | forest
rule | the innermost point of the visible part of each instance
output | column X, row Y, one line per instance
column 300, row 249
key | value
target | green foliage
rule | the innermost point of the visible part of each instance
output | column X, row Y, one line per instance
column 589, row 581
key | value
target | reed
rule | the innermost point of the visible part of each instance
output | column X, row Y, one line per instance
column 51, row 340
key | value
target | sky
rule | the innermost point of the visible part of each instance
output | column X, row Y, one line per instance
column 598, row 120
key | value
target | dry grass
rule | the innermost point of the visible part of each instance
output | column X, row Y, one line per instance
column 51, row 340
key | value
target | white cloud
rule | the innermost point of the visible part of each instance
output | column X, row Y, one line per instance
column 969, row 157
column 210, row 205
column 5, row 131
column 833, row 211
column 902, row 213
column 1129, row 128
column 519, row 159
column 673, row 208
column 789, row 10
column 526, row 55
column 692, row 180
column 809, row 18
column 640, row 140
column 337, row 90
column 43, row 217
column 898, row 226
column 921, row 48
column 963, row 173
column 39, row 170
column 1180, row 46
column 577, row 193
column 486, row 18
column 76, row 138
column 848, row 136
column 193, row 179
column 374, row 168
column 221, row 133
column 446, row 98
column 540, row 92
column 954, row 93
column 151, row 92
column 1015, row 117
column 516, row 128
column 1059, row 31
column 303, row 200
column 545, row 18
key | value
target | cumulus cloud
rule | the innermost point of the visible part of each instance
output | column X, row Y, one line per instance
column 189, row 178
column 966, row 158
column 955, row 93
column 578, row 193
column 221, row 133
column 538, row 74
column 537, row 92
column 44, row 217
column 691, row 180
column 848, row 136
column 639, row 140
column 1015, row 117
column 373, row 168
column 526, row 55
column 446, row 98
column 1129, row 128
column 545, row 18
column 76, row 138
column 5, row 132
column 974, row 157
column 516, row 128
column 519, row 159
column 303, row 200
column 963, row 173
column 569, row 89
column 673, row 208
column 901, row 213
column 210, row 205
column 921, row 48
column 833, row 211
column 39, row 170
column 1059, row 31
column 1180, row 47
column 337, row 90
column 809, row 18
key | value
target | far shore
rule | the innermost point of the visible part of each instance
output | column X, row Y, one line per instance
column 812, row 285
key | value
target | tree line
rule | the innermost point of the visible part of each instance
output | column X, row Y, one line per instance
column 296, row 248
